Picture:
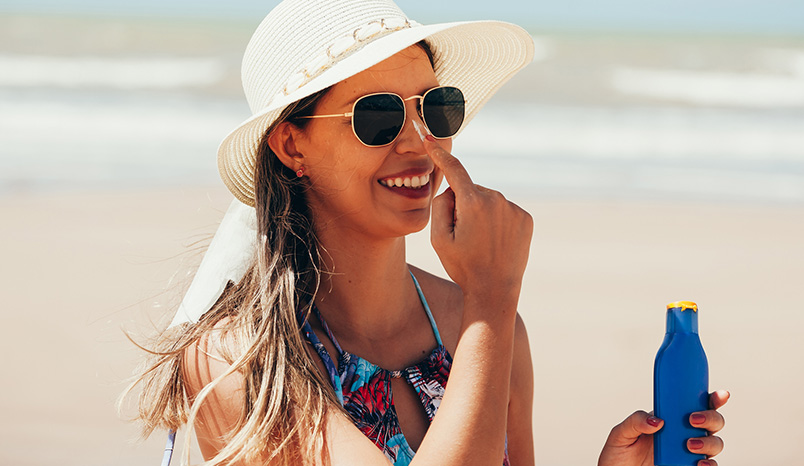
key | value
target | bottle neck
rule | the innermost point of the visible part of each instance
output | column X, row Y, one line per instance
column 679, row 321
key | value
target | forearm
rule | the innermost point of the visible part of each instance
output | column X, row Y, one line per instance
column 470, row 426
column 519, row 431
column 483, row 242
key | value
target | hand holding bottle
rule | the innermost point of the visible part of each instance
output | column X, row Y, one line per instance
column 630, row 443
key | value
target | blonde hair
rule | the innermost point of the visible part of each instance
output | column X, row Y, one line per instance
column 285, row 395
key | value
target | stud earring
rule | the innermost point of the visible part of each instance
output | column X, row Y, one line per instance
column 300, row 172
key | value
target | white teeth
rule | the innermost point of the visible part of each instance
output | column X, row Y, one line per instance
column 410, row 182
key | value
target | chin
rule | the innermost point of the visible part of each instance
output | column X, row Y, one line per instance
column 415, row 222
column 419, row 228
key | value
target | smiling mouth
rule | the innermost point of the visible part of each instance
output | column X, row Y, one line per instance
column 414, row 182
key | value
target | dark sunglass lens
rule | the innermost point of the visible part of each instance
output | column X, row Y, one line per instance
column 378, row 118
column 443, row 111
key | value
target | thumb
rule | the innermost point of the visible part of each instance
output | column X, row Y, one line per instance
column 628, row 431
column 443, row 213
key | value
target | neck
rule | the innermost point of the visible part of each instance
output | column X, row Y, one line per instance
column 366, row 291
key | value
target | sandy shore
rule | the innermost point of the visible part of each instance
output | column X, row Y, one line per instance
column 79, row 267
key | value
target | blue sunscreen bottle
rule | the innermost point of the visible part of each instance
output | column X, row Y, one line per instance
column 680, row 386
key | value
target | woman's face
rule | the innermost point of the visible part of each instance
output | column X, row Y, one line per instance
column 349, row 181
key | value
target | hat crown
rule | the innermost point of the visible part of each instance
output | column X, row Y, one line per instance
column 299, row 39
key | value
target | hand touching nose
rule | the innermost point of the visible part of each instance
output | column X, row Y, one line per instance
column 482, row 239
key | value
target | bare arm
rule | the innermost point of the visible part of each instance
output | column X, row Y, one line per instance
column 520, row 408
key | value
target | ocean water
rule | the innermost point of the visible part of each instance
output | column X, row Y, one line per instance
column 668, row 153
column 696, row 119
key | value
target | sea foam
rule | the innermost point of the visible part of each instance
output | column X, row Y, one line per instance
column 116, row 73
column 718, row 88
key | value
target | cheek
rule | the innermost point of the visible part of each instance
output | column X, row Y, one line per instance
column 343, row 168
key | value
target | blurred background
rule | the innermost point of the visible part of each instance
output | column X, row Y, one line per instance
column 659, row 146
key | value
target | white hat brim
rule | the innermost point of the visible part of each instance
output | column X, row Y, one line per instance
column 477, row 57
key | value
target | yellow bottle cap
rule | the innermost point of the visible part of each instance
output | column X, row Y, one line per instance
column 683, row 305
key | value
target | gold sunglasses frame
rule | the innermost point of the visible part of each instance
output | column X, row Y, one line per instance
column 404, row 113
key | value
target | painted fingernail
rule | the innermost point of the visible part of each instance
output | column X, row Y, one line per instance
column 697, row 418
column 654, row 421
column 695, row 444
column 430, row 138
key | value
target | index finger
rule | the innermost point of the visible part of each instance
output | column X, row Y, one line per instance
column 457, row 176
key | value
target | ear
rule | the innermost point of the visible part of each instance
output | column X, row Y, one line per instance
column 282, row 142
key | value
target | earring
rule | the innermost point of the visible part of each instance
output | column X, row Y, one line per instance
column 300, row 172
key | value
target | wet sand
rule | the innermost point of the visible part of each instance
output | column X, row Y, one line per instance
column 78, row 267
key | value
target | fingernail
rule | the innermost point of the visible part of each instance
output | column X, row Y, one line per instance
column 654, row 421
column 704, row 463
column 697, row 418
column 430, row 138
column 695, row 444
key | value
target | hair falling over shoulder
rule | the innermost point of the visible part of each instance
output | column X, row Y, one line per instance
column 257, row 333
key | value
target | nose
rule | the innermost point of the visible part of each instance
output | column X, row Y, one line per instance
column 409, row 139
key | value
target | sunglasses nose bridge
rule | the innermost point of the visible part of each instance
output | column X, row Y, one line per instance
column 410, row 117
column 416, row 101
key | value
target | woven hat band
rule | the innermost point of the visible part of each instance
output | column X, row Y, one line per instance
column 281, row 57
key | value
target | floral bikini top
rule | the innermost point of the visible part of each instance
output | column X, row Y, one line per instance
column 364, row 389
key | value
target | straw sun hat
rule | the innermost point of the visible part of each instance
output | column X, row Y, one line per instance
column 304, row 46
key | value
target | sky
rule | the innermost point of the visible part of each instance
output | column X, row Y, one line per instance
column 775, row 17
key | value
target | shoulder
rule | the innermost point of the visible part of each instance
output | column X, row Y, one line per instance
column 207, row 363
column 203, row 363
column 204, row 360
column 439, row 290
column 445, row 299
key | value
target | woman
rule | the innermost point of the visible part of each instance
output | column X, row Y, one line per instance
column 330, row 348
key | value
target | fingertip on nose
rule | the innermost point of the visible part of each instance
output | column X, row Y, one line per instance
column 422, row 132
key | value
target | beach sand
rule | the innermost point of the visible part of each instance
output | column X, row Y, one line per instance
column 78, row 268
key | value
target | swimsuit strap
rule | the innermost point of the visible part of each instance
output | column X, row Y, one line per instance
column 329, row 364
column 327, row 330
column 427, row 309
column 169, row 448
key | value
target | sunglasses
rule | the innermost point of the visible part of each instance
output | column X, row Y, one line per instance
column 377, row 119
